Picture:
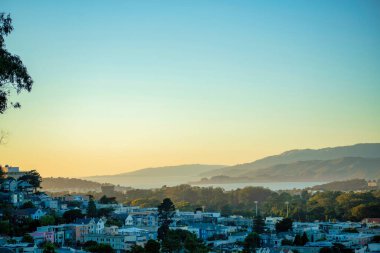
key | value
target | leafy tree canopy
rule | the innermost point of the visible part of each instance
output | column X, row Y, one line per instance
column 13, row 74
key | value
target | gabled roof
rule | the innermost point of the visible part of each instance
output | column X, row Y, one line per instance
column 27, row 211
column 24, row 184
column 87, row 220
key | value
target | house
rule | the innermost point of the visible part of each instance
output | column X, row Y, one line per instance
column 34, row 213
column 206, row 231
column 42, row 236
column 270, row 222
column 9, row 185
column 137, row 236
column 117, row 242
column 25, row 187
column 371, row 221
column 142, row 219
column 14, row 172
column 95, row 225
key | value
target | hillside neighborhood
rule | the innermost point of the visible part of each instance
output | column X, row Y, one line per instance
column 81, row 223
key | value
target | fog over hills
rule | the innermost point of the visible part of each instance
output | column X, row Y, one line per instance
column 157, row 177
column 327, row 164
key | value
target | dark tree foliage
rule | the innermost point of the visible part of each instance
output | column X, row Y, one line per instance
column 13, row 74
column 100, row 248
column 91, row 208
column 27, row 238
column 166, row 211
column 284, row 226
column 72, row 215
column 297, row 240
column 48, row 247
column 343, row 206
column 152, row 246
column 32, row 177
column 304, row 238
column 136, row 249
column 300, row 240
column 107, row 200
column 258, row 224
column 106, row 212
column 251, row 242
column 286, row 242
column 2, row 173
column 329, row 250
column 26, row 205
column 183, row 241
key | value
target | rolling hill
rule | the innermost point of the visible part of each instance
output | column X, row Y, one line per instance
column 370, row 150
column 157, row 177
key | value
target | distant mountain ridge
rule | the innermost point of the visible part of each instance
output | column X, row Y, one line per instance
column 157, row 177
column 323, row 165
column 365, row 150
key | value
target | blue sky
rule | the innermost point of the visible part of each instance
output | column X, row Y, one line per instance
column 151, row 83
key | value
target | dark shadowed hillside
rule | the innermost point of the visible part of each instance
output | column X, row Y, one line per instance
column 348, row 185
column 323, row 171
column 337, row 169
column 371, row 150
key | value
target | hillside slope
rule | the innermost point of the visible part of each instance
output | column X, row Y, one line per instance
column 157, row 177
column 317, row 170
column 369, row 150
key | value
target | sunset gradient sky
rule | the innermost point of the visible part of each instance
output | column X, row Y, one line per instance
column 122, row 85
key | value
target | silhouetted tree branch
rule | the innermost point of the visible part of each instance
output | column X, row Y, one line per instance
column 13, row 74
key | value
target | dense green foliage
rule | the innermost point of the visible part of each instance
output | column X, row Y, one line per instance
column 32, row 177
column 107, row 200
column 181, row 240
column 251, row 242
column 284, row 225
column 258, row 224
column 304, row 206
column 91, row 208
column 92, row 246
column 71, row 215
column 166, row 211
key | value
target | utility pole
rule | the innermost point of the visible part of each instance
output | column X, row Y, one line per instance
column 256, row 206
column 287, row 208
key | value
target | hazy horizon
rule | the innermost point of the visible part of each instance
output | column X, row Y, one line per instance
column 124, row 85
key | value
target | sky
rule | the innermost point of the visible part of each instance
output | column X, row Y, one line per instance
column 124, row 85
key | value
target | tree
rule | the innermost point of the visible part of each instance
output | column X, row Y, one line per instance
column 48, row 248
column 107, row 200
column 284, row 225
column 258, row 224
column 72, row 215
column 13, row 74
column 136, row 249
column 32, row 177
column 251, row 242
column 26, row 205
column 183, row 241
column 91, row 208
column 297, row 240
column 2, row 171
column 47, row 220
column 304, row 239
column 27, row 238
column 152, row 246
column 166, row 211
column 100, row 248
column 104, row 212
